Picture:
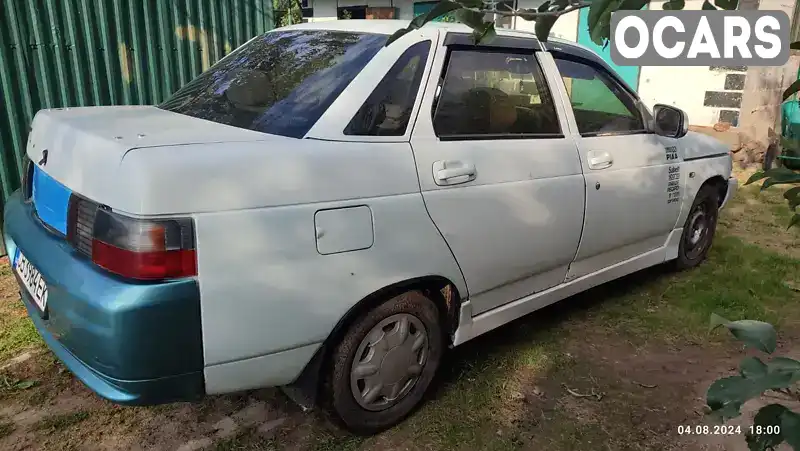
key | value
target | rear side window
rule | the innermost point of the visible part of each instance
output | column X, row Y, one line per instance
column 388, row 109
column 489, row 94
column 600, row 104
column 279, row 83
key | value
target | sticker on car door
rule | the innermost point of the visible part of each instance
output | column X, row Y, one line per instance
column 674, row 185
column 672, row 153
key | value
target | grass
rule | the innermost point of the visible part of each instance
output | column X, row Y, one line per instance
column 16, row 329
column 246, row 440
column 6, row 428
column 60, row 421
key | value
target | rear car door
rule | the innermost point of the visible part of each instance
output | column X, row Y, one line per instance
column 632, row 175
column 499, row 178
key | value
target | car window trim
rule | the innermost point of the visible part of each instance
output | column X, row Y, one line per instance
column 499, row 136
column 559, row 55
column 460, row 39
column 491, row 49
column 419, row 93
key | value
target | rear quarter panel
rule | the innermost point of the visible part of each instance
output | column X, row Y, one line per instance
column 265, row 286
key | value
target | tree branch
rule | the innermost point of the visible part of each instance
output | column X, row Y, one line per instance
column 530, row 14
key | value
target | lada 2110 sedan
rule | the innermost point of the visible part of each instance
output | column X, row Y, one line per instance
column 326, row 213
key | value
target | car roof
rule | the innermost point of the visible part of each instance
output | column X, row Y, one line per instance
column 389, row 26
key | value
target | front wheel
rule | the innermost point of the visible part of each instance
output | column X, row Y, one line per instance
column 698, row 231
column 384, row 363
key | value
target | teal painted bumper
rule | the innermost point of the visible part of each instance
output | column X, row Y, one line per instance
column 130, row 342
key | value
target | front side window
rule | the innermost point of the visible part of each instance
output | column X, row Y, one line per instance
column 279, row 83
column 600, row 104
column 387, row 111
column 494, row 94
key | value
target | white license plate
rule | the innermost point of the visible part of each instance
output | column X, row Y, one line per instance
column 32, row 279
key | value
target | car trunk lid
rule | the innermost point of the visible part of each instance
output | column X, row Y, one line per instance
column 79, row 150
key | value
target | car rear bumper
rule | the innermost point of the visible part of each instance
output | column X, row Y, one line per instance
column 733, row 185
column 130, row 342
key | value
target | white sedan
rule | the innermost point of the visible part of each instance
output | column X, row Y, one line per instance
column 326, row 213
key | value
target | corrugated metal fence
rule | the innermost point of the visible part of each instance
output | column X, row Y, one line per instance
column 58, row 53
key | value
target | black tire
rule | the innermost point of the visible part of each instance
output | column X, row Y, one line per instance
column 339, row 394
column 693, row 250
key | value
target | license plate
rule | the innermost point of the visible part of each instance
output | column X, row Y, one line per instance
column 32, row 279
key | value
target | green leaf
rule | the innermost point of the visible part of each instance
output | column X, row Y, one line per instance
column 795, row 45
column 599, row 20
column 755, row 334
column 794, row 221
column 727, row 4
column 790, row 428
column 780, row 178
column 727, row 395
column 481, row 30
column 783, row 364
column 544, row 6
column 24, row 385
column 752, row 368
column 543, row 26
column 791, row 193
column 632, row 5
column 708, row 6
column 769, row 415
column 486, row 36
column 756, row 177
column 793, row 88
column 716, row 321
column 441, row 8
column 792, row 196
column 397, row 35
column 782, row 372
column 472, row 19
column 674, row 5
column 470, row 3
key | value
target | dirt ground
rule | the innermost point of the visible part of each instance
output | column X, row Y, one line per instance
column 617, row 368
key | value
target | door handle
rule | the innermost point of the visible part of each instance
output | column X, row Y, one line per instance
column 453, row 172
column 599, row 159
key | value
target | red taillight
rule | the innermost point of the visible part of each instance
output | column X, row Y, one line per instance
column 145, row 249
column 144, row 265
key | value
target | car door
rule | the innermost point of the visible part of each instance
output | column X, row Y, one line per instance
column 498, row 176
column 632, row 175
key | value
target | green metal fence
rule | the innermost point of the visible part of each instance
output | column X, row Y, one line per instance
column 58, row 53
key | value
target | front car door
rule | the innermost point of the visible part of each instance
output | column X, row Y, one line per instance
column 499, row 177
column 632, row 175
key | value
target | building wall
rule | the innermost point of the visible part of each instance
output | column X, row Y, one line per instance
column 761, row 103
column 708, row 94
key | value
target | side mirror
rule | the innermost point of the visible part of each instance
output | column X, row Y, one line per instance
column 670, row 121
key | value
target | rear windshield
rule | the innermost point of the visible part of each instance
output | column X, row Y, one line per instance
column 279, row 83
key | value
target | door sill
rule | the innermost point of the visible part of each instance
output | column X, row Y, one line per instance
column 472, row 326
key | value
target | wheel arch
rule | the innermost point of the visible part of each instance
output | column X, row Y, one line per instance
column 441, row 290
column 718, row 182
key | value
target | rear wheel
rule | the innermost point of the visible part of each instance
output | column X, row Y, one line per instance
column 384, row 363
column 699, row 229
